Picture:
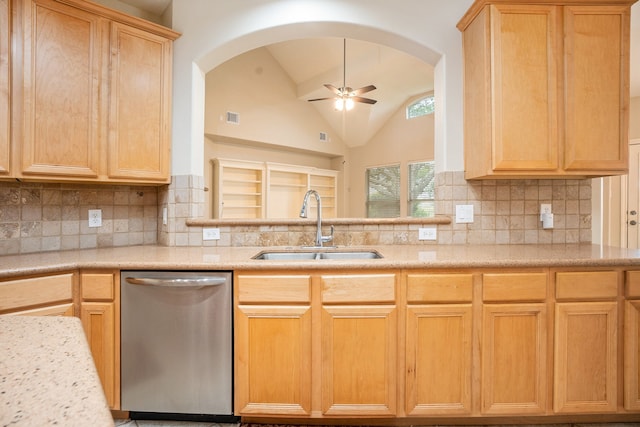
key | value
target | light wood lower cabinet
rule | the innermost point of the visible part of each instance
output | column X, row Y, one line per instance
column 100, row 315
column 273, row 344
column 314, row 345
column 514, row 343
column 359, row 344
column 38, row 296
column 438, row 344
column 632, row 342
column 420, row 344
column 586, row 342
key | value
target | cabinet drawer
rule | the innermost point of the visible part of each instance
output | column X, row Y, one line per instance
column 35, row 291
column 268, row 289
column 433, row 288
column 632, row 285
column 586, row 285
column 65, row 309
column 359, row 288
column 514, row 287
column 97, row 286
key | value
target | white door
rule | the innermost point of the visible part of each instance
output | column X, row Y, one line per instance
column 633, row 196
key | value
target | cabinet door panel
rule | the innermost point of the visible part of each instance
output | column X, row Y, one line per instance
column 61, row 84
column 140, row 102
column 585, row 355
column 273, row 360
column 5, row 88
column 98, row 321
column 632, row 359
column 359, row 348
column 514, row 358
column 525, row 104
column 439, row 359
column 597, row 61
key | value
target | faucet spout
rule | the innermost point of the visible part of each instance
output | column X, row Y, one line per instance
column 320, row 239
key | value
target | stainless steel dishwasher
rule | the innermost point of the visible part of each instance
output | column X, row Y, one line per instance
column 177, row 345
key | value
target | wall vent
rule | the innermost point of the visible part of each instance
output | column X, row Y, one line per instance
column 233, row 118
column 324, row 137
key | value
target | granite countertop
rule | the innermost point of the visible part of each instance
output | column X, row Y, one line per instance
column 394, row 257
column 47, row 375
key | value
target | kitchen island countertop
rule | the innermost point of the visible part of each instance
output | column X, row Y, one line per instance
column 47, row 375
column 394, row 257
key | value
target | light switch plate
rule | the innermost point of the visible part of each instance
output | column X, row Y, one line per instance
column 210, row 234
column 464, row 214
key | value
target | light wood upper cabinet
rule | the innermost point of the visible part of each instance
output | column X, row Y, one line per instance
column 140, row 104
column 92, row 99
column 546, row 89
column 5, row 86
column 61, row 84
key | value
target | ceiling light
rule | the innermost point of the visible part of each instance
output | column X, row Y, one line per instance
column 345, row 103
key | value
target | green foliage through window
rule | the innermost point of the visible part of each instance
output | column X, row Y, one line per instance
column 421, row 201
column 421, row 107
column 384, row 195
column 383, row 192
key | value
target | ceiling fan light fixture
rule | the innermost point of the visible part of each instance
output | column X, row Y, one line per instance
column 344, row 104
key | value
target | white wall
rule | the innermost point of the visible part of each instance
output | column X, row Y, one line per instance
column 634, row 118
column 255, row 86
column 400, row 141
column 213, row 32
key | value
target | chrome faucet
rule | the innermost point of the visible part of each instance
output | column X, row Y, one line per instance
column 320, row 239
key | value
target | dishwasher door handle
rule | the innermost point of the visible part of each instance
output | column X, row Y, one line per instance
column 170, row 282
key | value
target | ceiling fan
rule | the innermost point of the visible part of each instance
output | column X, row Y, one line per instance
column 346, row 96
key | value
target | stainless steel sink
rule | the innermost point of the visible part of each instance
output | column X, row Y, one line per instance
column 303, row 255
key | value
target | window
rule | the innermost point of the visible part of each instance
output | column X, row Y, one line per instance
column 383, row 191
column 421, row 200
column 384, row 196
column 421, row 107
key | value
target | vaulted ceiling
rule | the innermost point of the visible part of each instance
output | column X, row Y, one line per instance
column 313, row 62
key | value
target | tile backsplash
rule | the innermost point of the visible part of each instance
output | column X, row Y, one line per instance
column 36, row 217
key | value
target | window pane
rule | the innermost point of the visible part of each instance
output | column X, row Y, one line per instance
column 421, row 201
column 383, row 192
column 421, row 108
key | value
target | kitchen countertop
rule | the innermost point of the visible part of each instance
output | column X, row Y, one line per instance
column 47, row 375
column 394, row 256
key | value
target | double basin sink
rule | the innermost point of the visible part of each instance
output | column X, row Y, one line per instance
column 316, row 254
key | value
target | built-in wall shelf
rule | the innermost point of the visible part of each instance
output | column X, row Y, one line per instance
column 257, row 190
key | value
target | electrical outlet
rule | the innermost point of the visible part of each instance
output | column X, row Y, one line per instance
column 427, row 233
column 210, row 234
column 95, row 217
column 545, row 209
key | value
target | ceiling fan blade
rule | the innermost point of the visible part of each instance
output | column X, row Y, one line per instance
column 319, row 99
column 363, row 100
column 362, row 90
column 333, row 89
